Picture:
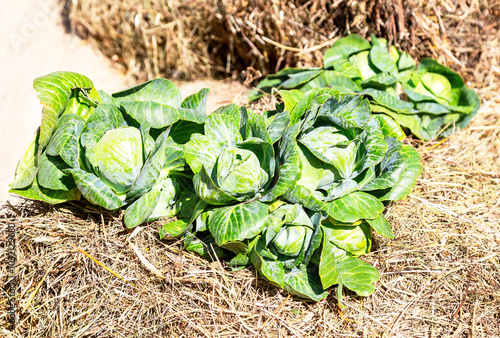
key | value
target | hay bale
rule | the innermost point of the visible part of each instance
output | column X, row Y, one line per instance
column 184, row 40
column 203, row 38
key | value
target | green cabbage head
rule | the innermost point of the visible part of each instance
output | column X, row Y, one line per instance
column 233, row 160
column 348, row 160
column 305, row 253
column 112, row 150
column 430, row 100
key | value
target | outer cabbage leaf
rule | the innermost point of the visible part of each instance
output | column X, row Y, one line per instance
column 54, row 91
column 390, row 127
column 156, row 114
column 355, row 239
column 197, row 101
column 413, row 171
column 95, row 190
column 346, row 110
column 288, row 161
column 237, row 222
column 65, row 141
column 387, row 99
column 201, row 151
column 278, row 125
column 304, row 282
column 36, row 192
column 27, row 167
column 50, row 173
column 297, row 79
column 381, row 59
column 362, row 62
column 355, row 206
column 164, row 150
column 338, row 267
column 158, row 199
column 405, row 62
column 344, row 67
column 208, row 190
column 344, row 47
column 381, row 226
column 160, row 91
column 333, row 79
column 391, row 169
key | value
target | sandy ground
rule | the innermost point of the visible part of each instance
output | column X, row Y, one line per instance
column 33, row 43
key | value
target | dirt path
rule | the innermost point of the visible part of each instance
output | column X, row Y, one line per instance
column 34, row 43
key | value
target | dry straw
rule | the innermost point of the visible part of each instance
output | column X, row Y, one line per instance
column 187, row 39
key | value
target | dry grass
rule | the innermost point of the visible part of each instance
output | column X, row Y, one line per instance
column 440, row 275
column 247, row 38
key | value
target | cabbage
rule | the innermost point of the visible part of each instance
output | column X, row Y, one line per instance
column 296, row 191
column 438, row 85
column 112, row 150
column 119, row 158
column 335, row 166
column 430, row 101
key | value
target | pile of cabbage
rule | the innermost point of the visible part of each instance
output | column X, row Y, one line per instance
column 430, row 100
column 296, row 192
column 115, row 151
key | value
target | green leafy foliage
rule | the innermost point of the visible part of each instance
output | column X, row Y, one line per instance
column 297, row 191
column 430, row 100
column 304, row 225
column 234, row 160
column 114, row 153
column 346, row 163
